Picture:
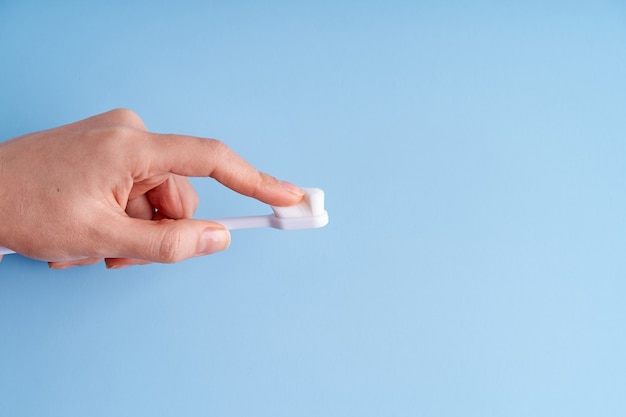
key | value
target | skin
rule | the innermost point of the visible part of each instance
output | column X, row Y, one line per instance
column 106, row 188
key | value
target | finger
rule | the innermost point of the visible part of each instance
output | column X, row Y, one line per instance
column 175, row 198
column 71, row 264
column 164, row 241
column 140, row 208
column 196, row 157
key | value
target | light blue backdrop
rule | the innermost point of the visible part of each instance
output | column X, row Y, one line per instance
column 474, row 160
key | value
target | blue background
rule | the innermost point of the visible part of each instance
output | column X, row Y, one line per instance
column 473, row 156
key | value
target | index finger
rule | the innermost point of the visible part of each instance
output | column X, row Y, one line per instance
column 198, row 157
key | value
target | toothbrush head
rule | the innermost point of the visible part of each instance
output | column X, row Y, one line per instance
column 307, row 214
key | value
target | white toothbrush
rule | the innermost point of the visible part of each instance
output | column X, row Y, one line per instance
column 308, row 214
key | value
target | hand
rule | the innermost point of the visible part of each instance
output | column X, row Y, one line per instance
column 106, row 188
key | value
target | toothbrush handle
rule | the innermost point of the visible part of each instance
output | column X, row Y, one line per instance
column 5, row 251
column 245, row 222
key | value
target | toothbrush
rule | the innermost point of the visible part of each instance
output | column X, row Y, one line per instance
column 308, row 214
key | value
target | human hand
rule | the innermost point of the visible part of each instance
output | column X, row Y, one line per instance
column 106, row 188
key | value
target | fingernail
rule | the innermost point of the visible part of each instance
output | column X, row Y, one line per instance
column 294, row 189
column 119, row 263
column 213, row 240
column 118, row 266
column 61, row 266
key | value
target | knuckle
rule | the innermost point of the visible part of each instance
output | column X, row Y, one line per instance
column 169, row 248
column 127, row 117
column 217, row 147
column 109, row 140
column 120, row 132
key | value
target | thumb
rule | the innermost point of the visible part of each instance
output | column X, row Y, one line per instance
column 168, row 241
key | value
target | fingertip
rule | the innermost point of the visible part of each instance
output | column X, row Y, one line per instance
column 275, row 192
column 289, row 194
